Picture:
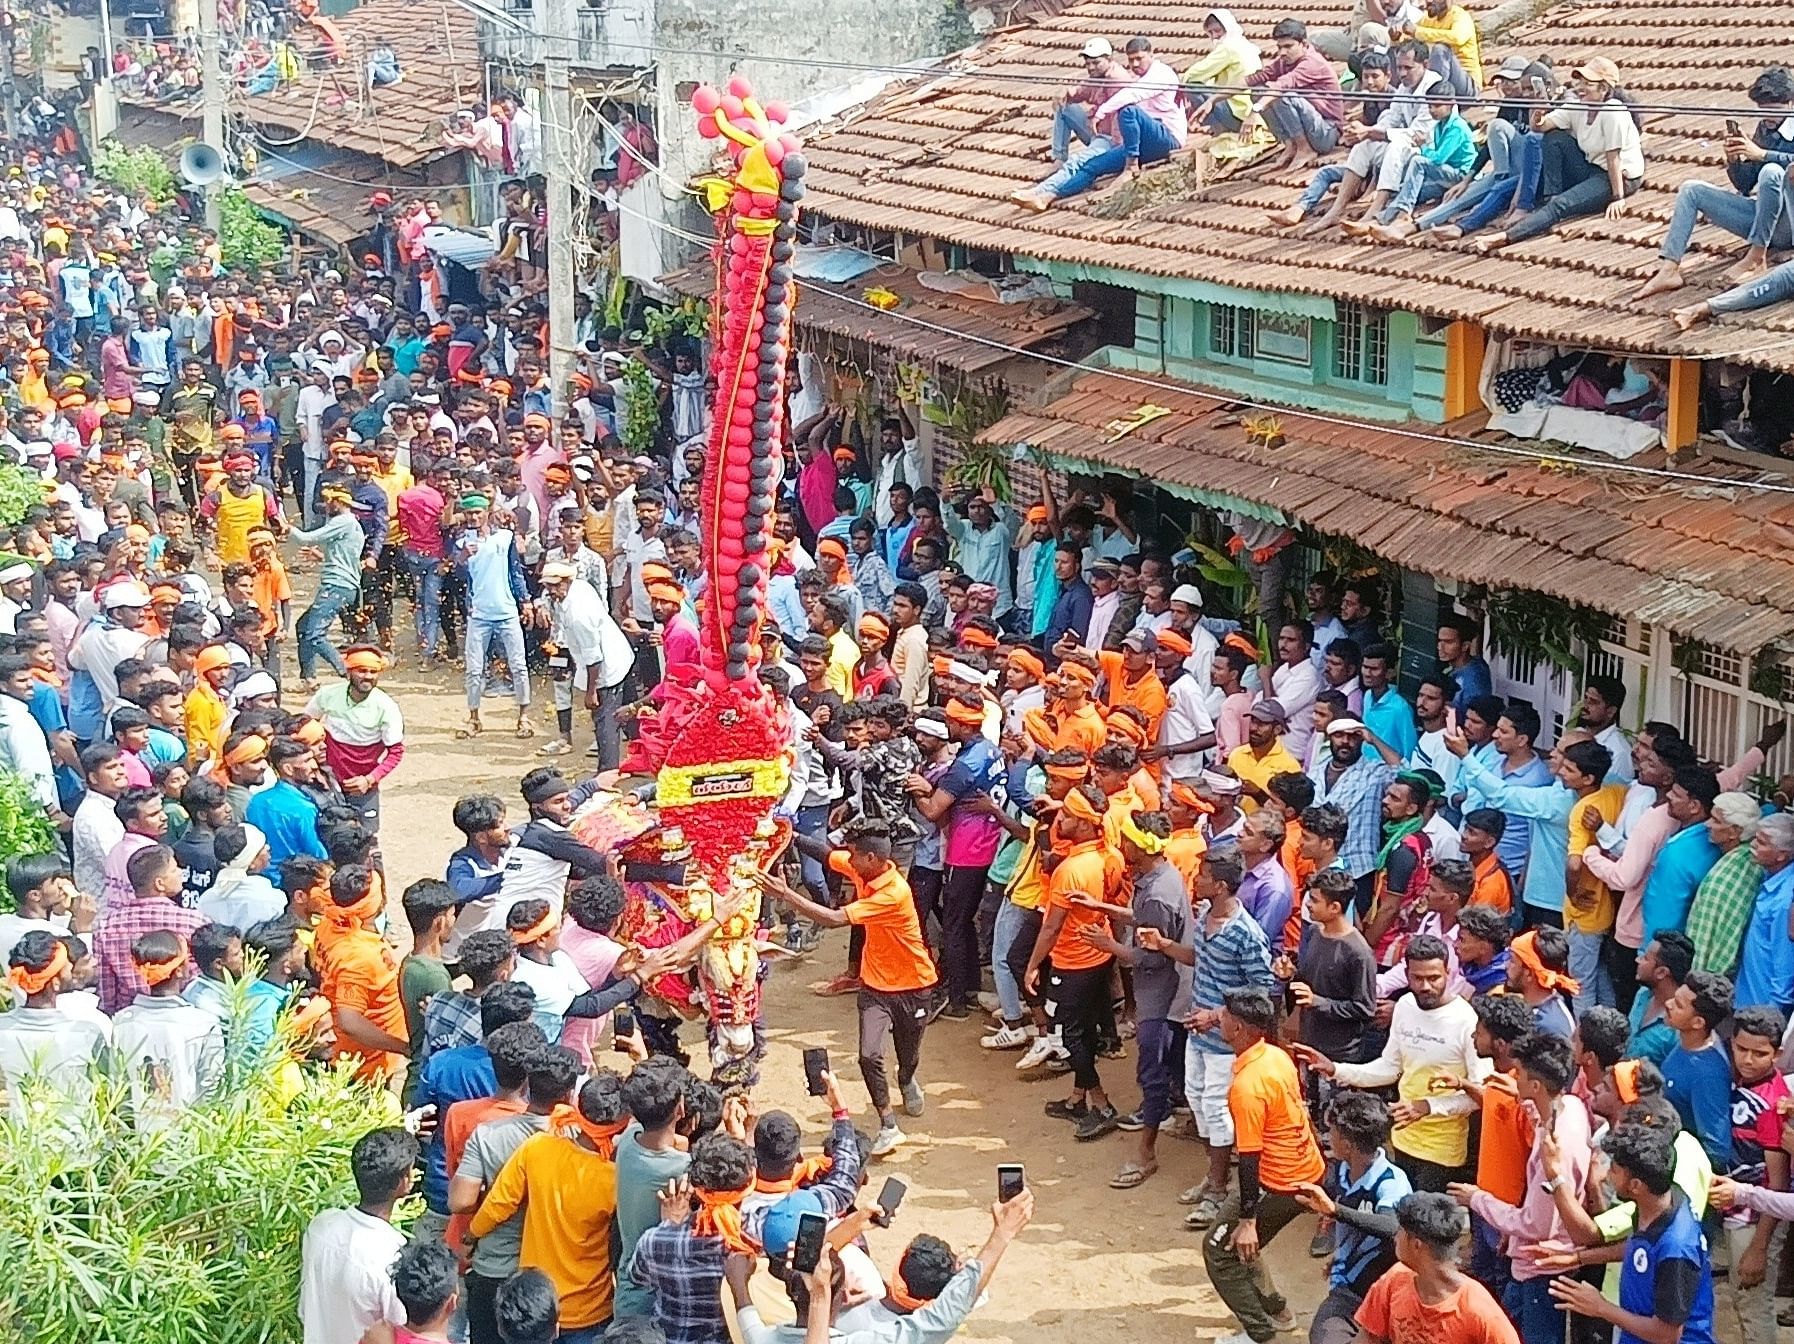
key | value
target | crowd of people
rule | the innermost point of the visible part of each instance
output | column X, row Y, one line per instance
column 1398, row 92
column 1509, row 1016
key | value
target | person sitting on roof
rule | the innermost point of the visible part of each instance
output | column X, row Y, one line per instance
column 1441, row 164
column 1495, row 178
column 1380, row 150
column 1225, row 68
column 1592, row 158
column 1448, row 25
column 383, row 64
column 1759, row 165
column 1301, row 102
column 1074, row 114
column 1776, row 286
column 1149, row 122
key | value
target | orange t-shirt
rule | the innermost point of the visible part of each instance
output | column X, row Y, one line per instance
column 895, row 959
column 1146, row 695
column 1392, row 1311
column 1081, row 730
column 1504, row 1146
column 1269, row 1118
column 1089, row 869
column 358, row 970
column 458, row 1125
column 1299, row 870
column 271, row 589
column 1146, row 789
column 1185, row 850
column 1493, row 887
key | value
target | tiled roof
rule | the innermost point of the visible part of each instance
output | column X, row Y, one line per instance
column 439, row 57
column 1682, row 555
column 325, row 207
column 940, row 157
column 969, row 324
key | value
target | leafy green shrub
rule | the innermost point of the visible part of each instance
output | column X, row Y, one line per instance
column 20, row 491
column 186, row 1235
column 139, row 171
column 24, row 826
column 246, row 241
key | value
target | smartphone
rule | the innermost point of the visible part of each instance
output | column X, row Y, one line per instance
column 815, row 1065
column 1733, row 129
column 622, row 1023
column 892, row 1194
column 1010, row 1181
column 806, row 1251
column 1451, row 719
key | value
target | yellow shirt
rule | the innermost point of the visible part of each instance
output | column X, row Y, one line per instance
column 1590, row 906
column 205, row 724
column 843, row 653
column 568, row 1195
column 233, row 519
column 1257, row 770
column 1457, row 30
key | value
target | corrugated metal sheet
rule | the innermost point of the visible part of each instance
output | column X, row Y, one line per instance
column 1682, row 555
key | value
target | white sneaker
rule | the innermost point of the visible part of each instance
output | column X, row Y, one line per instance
column 889, row 1136
column 989, row 1002
column 1237, row 1337
column 1043, row 1049
column 1008, row 1038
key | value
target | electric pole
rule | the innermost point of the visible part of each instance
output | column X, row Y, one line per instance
column 212, row 92
column 559, row 34
column 9, row 36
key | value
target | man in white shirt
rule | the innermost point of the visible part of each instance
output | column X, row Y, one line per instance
column 1105, row 584
column 900, row 459
column 1294, row 683
column 172, row 1051
column 97, row 827
column 1186, row 732
column 344, row 1259
column 1150, row 126
column 24, row 749
column 316, row 397
column 1186, row 619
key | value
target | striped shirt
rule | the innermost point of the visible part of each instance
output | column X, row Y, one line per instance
column 1234, row 956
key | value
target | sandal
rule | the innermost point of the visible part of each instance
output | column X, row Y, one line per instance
column 525, row 731
column 1131, row 1175
column 472, row 728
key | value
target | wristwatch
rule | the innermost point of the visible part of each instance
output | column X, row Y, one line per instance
column 1551, row 1186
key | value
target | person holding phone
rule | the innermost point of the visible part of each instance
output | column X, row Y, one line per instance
column 897, row 973
column 1751, row 204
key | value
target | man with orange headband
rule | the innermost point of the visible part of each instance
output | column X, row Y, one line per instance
column 1071, row 971
column 680, row 1259
column 239, row 505
column 1186, row 733
column 1071, row 722
column 872, row 675
column 1538, row 970
column 359, row 973
column 172, row 1051
column 364, row 732
column 40, row 1040
column 675, row 635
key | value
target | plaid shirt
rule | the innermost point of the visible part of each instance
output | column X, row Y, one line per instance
column 685, row 1274
column 124, row 920
column 450, row 1021
column 1359, row 794
column 1721, row 909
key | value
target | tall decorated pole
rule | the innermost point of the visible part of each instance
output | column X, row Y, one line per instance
column 719, row 744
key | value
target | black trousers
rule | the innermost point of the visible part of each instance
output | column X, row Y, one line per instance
column 1080, row 1007
column 482, row 1318
column 902, row 1018
column 961, row 894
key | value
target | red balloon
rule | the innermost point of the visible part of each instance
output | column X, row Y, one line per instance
column 707, row 129
column 765, row 200
column 742, row 435
column 735, row 494
column 741, row 86
column 743, row 417
column 738, row 243
column 705, row 99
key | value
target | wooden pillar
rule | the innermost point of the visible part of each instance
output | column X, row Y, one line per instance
column 1683, row 423
column 1464, row 345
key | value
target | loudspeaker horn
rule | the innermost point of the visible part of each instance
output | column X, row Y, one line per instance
column 201, row 165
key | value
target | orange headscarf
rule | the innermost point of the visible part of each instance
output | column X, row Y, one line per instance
column 1077, row 805
column 36, row 982
column 807, row 1170
column 603, row 1137
column 719, row 1215
column 1525, row 950
column 156, row 972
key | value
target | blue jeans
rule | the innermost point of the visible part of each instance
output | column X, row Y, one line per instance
column 1155, row 1038
column 813, row 822
column 1475, row 206
column 1010, row 918
column 481, row 631
column 1762, row 220
column 426, row 601
column 1326, row 177
column 1422, row 180
column 586, row 1334
column 1590, row 971
column 1775, row 287
column 1070, row 122
column 1055, row 185
column 1293, row 115
column 313, row 629
column 1144, row 139
column 1534, row 1311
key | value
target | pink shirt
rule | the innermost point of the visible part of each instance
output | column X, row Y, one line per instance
column 595, row 955
column 816, row 489
column 420, row 514
column 534, row 470
column 1536, row 1226
column 118, row 884
column 1154, row 93
column 679, row 646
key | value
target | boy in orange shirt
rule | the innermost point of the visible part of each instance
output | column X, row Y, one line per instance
column 897, row 975
column 359, row 974
column 273, row 594
column 1077, row 968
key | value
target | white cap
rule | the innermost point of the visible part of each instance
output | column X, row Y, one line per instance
column 1096, row 48
column 39, row 448
column 933, row 727
column 1187, row 593
column 126, row 595
column 13, row 573
column 256, row 683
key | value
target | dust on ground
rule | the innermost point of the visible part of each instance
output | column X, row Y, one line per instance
column 1094, row 1259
